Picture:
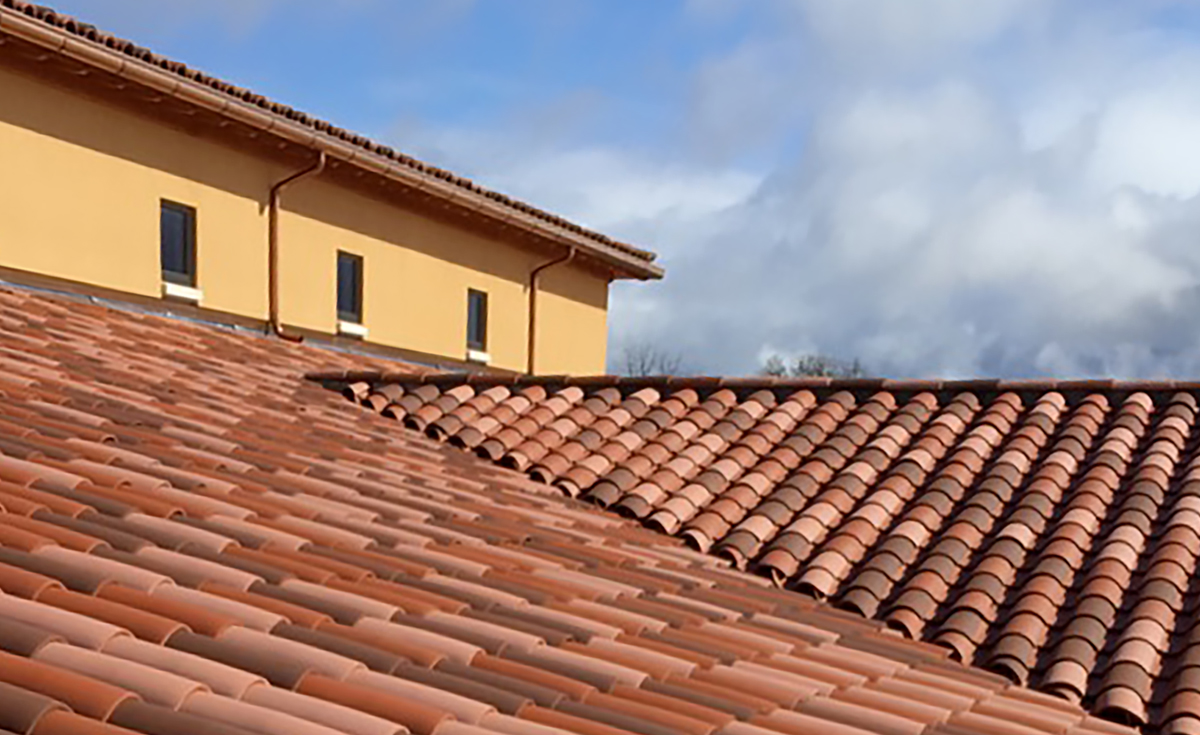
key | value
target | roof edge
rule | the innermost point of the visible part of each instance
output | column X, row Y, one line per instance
column 708, row 384
column 87, row 45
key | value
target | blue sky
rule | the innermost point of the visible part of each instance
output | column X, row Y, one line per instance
column 936, row 187
column 370, row 65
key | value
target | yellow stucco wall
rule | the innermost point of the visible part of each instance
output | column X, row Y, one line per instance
column 80, row 186
column 570, row 300
column 416, row 274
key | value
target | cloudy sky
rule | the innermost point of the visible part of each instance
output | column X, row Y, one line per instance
column 936, row 187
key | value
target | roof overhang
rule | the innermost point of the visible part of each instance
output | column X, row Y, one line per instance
column 72, row 41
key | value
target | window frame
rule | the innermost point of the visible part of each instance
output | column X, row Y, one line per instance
column 187, row 278
column 474, row 297
column 356, row 316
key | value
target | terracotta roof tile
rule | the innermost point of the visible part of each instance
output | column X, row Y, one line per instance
column 294, row 565
column 1040, row 530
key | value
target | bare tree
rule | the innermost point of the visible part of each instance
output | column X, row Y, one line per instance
column 643, row 359
column 813, row 366
column 776, row 367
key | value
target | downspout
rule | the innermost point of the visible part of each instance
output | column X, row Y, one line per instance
column 273, row 246
column 533, row 292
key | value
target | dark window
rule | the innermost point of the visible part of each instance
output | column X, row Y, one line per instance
column 477, row 320
column 349, row 287
column 177, row 233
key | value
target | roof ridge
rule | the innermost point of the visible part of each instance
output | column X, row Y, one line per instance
column 711, row 383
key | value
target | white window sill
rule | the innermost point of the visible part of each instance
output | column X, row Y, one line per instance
column 351, row 329
column 181, row 292
column 476, row 356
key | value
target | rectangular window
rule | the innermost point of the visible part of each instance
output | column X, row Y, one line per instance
column 477, row 317
column 177, row 235
column 349, row 287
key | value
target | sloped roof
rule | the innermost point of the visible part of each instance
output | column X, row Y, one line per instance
column 85, row 44
column 195, row 539
column 1045, row 531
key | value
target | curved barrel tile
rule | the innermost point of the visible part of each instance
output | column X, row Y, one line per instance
column 202, row 541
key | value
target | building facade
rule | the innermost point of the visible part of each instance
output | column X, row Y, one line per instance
column 125, row 172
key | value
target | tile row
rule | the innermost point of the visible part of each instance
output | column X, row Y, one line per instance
column 1045, row 535
column 196, row 540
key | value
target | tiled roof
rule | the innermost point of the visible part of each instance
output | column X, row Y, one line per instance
column 1045, row 531
column 93, row 35
column 195, row 539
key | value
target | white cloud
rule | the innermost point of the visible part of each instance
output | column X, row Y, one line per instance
column 745, row 98
column 618, row 190
column 996, row 187
column 941, row 223
column 888, row 31
column 604, row 188
column 1148, row 139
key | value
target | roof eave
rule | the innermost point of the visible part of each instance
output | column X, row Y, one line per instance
column 621, row 264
